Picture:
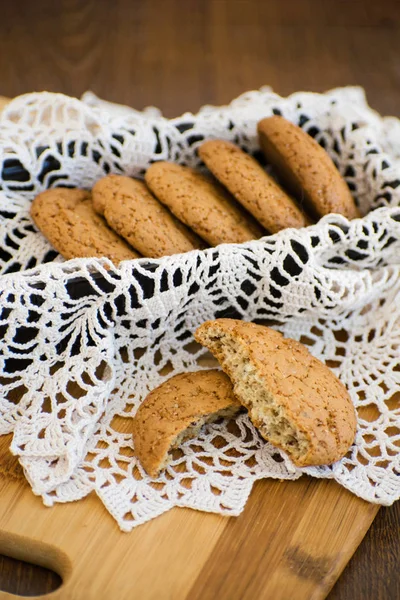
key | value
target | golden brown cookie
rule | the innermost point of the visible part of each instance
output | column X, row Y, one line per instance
column 247, row 181
column 176, row 410
column 305, row 168
column 201, row 204
column 66, row 217
column 132, row 211
column 295, row 400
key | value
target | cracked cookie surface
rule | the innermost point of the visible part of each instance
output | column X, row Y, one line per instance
column 66, row 217
column 295, row 400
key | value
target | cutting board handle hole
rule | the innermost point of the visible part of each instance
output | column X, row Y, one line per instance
column 39, row 580
column 42, row 567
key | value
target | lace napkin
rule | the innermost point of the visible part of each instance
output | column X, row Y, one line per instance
column 82, row 342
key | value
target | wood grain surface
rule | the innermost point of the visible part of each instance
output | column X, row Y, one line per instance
column 292, row 541
column 179, row 55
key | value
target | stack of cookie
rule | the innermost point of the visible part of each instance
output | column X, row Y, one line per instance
column 293, row 399
column 178, row 209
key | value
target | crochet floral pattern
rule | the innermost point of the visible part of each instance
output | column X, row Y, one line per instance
column 83, row 341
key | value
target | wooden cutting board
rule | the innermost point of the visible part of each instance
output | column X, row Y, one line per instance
column 292, row 541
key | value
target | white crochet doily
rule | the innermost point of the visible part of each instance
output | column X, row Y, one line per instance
column 82, row 342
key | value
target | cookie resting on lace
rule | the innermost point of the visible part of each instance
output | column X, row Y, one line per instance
column 68, row 220
column 305, row 167
column 252, row 186
column 294, row 400
column 132, row 211
column 202, row 204
column 176, row 410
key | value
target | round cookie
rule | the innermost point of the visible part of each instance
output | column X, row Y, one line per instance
column 295, row 400
column 132, row 211
column 247, row 181
column 66, row 217
column 176, row 410
column 201, row 204
column 305, row 168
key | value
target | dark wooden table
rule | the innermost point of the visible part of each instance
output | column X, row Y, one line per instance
column 180, row 54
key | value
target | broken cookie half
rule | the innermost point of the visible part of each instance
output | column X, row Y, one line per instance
column 295, row 401
column 176, row 410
